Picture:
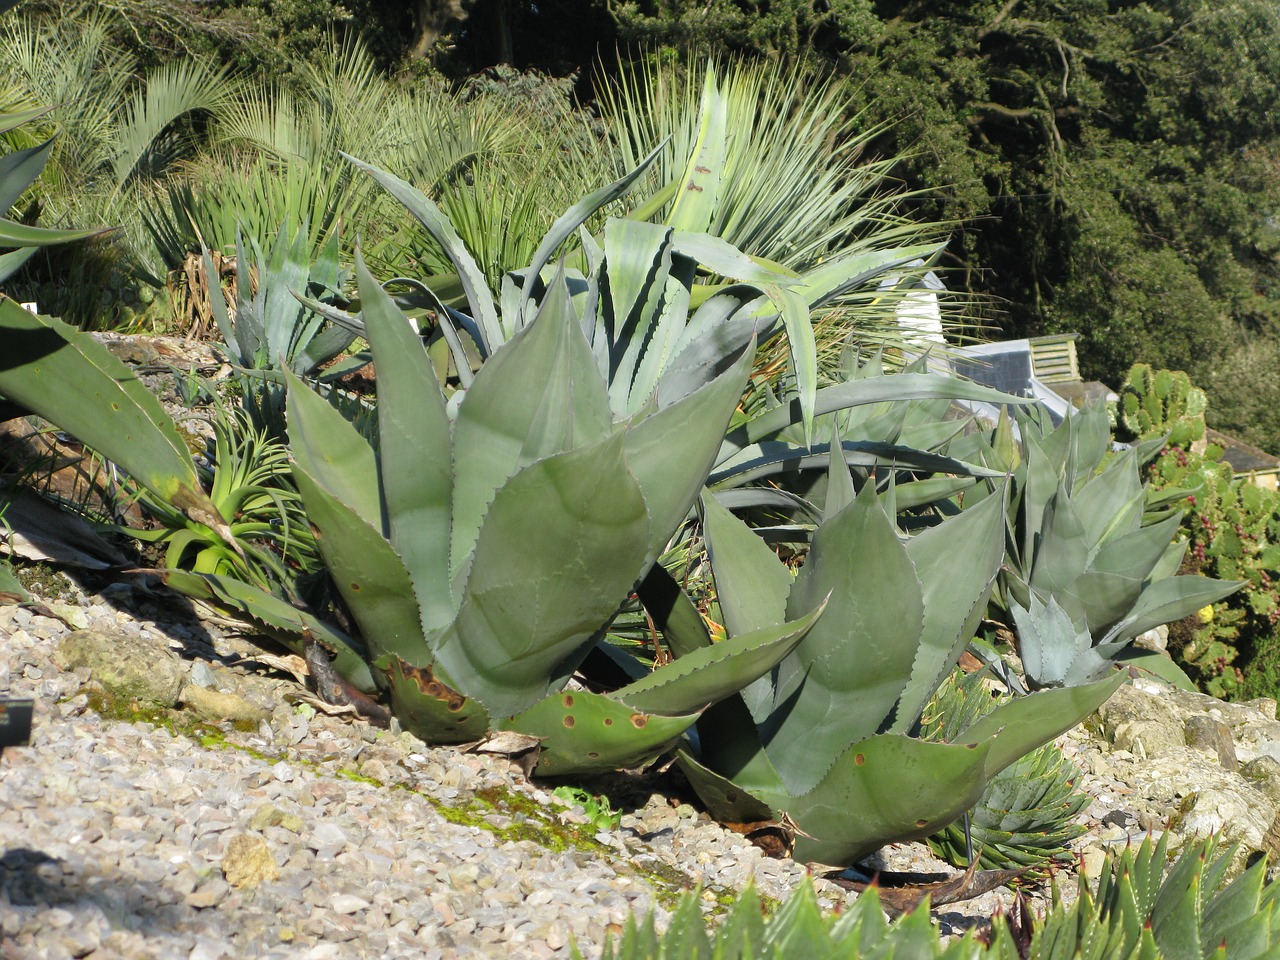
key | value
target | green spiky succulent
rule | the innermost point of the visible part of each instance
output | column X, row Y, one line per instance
column 1026, row 815
column 1138, row 913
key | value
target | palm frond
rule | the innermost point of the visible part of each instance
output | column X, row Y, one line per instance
column 147, row 143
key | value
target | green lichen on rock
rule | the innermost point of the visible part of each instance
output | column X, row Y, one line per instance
column 46, row 582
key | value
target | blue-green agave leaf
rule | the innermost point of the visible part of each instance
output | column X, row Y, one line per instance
column 693, row 682
column 437, row 224
column 70, row 379
column 670, row 452
column 698, row 196
column 428, row 706
column 578, row 214
column 844, row 680
column 1018, row 726
column 417, row 450
column 561, row 546
column 538, row 396
column 883, row 789
column 673, row 612
column 956, row 562
column 583, row 732
column 19, row 169
column 901, row 386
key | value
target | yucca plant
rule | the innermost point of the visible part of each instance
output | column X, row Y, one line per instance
column 789, row 182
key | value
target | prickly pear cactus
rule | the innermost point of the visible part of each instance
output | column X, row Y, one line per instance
column 1026, row 816
column 1156, row 402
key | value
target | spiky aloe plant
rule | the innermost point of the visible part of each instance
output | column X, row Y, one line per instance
column 1188, row 913
column 796, row 929
column 1137, row 913
column 1026, row 816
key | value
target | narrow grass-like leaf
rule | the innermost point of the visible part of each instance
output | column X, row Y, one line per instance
column 277, row 618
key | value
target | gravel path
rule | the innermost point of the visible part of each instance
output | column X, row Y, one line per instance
column 305, row 835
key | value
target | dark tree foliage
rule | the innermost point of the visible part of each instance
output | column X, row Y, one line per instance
column 1113, row 163
column 1111, row 166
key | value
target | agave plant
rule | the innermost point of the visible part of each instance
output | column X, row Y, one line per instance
column 483, row 552
column 830, row 738
column 1089, row 566
column 270, row 329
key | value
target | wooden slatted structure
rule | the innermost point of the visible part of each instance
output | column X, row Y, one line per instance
column 1054, row 358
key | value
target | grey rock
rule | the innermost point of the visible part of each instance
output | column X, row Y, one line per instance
column 127, row 666
column 1205, row 733
column 1263, row 774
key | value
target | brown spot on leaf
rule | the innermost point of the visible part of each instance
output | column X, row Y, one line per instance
column 608, row 721
column 638, row 720
column 567, row 700
column 693, row 186
column 701, row 169
column 425, row 680
column 568, row 721
column 859, row 759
